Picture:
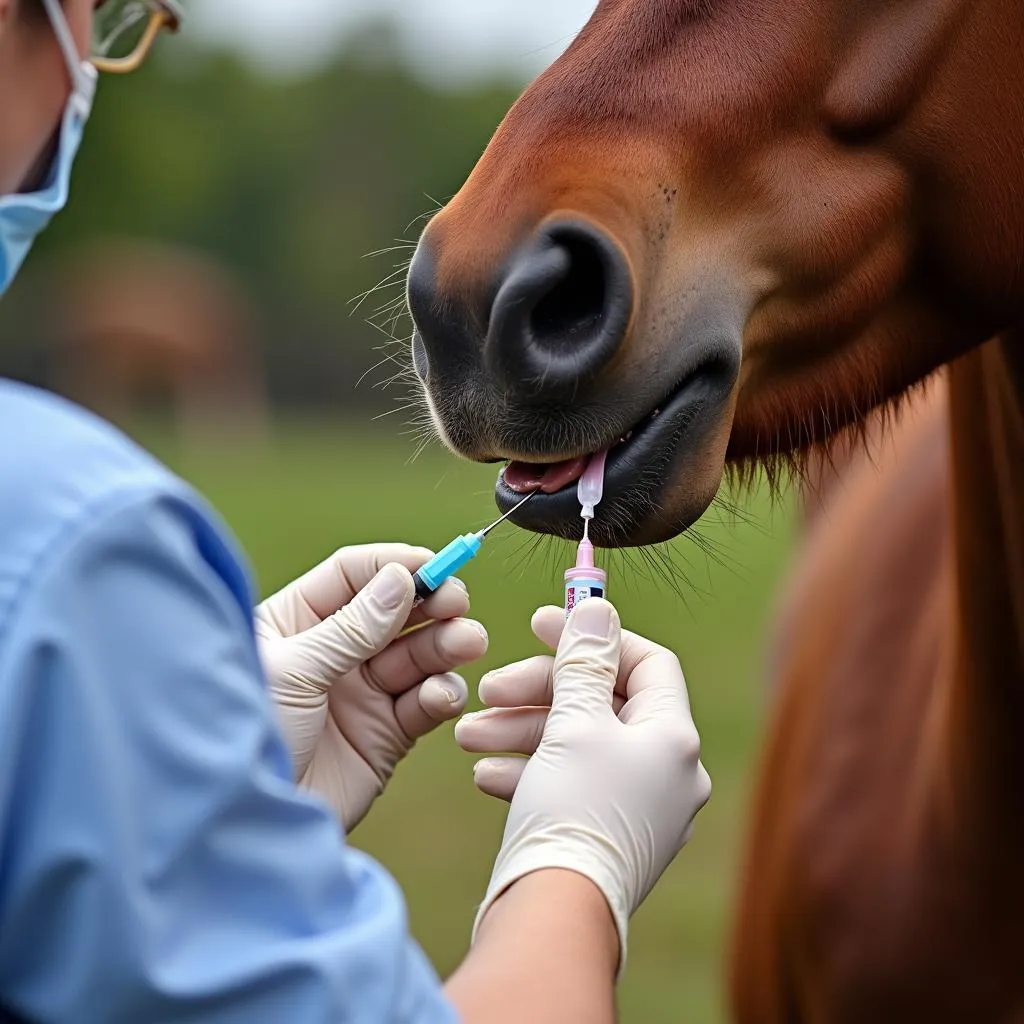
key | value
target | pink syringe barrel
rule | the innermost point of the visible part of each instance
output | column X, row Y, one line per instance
column 584, row 579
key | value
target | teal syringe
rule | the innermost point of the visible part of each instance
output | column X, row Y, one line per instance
column 450, row 559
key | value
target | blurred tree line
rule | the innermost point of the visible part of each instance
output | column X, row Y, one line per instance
column 291, row 182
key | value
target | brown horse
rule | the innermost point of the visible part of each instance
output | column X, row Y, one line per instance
column 136, row 317
column 763, row 219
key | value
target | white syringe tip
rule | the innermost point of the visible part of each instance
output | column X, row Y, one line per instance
column 590, row 488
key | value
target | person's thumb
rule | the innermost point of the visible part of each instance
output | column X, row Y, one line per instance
column 353, row 635
column 587, row 659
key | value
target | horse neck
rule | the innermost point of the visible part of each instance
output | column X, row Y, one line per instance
column 985, row 708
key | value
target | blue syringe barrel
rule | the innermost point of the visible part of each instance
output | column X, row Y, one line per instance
column 445, row 564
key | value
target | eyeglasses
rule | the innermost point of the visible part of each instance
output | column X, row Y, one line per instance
column 124, row 31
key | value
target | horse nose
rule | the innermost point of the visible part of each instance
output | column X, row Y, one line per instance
column 561, row 311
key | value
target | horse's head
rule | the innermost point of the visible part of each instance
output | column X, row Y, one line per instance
column 721, row 230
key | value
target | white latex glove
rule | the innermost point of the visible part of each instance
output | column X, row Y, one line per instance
column 612, row 797
column 353, row 689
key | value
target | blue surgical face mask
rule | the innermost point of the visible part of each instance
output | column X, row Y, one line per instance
column 25, row 215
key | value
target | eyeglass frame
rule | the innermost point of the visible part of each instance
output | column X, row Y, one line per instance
column 169, row 15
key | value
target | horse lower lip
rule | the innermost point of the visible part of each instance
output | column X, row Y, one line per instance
column 633, row 478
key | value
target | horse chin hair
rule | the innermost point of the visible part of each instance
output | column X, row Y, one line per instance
column 799, row 466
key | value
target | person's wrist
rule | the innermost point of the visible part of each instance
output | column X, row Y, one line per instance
column 559, row 849
column 581, row 908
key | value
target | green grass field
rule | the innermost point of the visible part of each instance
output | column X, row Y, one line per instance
column 321, row 486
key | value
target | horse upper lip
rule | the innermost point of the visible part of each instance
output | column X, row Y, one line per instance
column 547, row 459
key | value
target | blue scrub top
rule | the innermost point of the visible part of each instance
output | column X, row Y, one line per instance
column 157, row 863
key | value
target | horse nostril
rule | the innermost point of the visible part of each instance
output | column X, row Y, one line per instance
column 576, row 303
column 562, row 310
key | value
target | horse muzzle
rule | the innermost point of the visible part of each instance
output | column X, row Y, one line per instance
column 553, row 359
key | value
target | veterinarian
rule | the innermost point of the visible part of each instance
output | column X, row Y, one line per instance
column 158, row 860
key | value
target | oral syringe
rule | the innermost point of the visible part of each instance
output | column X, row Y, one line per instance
column 585, row 579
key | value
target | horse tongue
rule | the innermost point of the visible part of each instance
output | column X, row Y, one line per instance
column 523, row 477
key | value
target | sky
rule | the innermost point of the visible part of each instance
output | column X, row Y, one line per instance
column 449, row 38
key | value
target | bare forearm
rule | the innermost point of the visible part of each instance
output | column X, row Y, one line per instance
column 546, row 952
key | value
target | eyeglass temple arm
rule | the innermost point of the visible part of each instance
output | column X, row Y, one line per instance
column 123, row 65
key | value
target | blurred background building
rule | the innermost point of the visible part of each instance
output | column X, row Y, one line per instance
column 226, row 285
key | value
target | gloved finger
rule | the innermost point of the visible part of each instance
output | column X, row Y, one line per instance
column 499, row 776
column 643, row 661
column 502, row 731
column 529, row 684
column 704, row 787
column 587, row 659
column 697, row 796
column 423, row 708
column 656, row 688
column 547, row 625
column 431, row 650
column 449, row 601
column 332, row 584
column 521, row 684
column 350, row 637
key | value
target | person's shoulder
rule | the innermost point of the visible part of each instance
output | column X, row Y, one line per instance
column 57, row 460
column 63, row 468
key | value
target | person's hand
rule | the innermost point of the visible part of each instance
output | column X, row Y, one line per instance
column 609, row 795
column 354, row 683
